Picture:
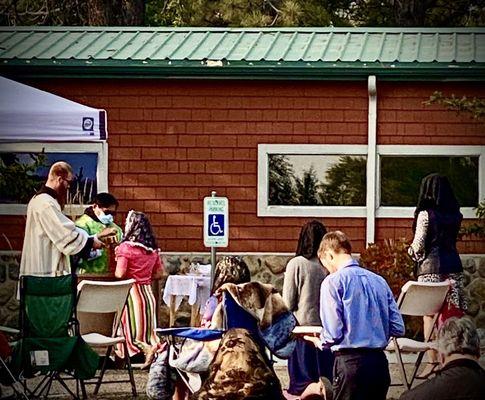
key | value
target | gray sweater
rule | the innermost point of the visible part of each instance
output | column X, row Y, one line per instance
column 301, row 289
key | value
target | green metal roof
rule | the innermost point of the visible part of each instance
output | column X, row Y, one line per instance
column 271, row 53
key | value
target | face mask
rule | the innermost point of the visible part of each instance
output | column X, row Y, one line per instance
column 105, row 219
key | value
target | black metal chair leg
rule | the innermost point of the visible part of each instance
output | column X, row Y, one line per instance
column 130, row 369
column 103, row 369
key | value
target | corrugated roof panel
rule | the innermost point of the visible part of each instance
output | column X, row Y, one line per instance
column 336, row 47
column 243, row 47
column 464, row 48
column 276, row 45
column 391, row 47
column 260, row 48
column 92, row 43
column 353, row 49
column 318, row 46
column 187, row 46
column 372, row 47
column 171, row 43
column 330, row 47
column 446, row 48
column 479, row 54
column 13, row 45
column 51, row 47
column 209, row 44
column 226, row 45
column 409, row 48
column 127, row 46
column 298, row 47
column 427, row 48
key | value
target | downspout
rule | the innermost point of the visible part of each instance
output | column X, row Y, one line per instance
column 371, row 160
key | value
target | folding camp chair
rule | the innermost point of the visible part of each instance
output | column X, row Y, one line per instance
column 99, row 309
column 418, row 299
column 234, row 316
column 7, row 377
column 50, row 343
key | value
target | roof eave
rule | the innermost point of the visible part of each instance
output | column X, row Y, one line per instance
column 247, row 70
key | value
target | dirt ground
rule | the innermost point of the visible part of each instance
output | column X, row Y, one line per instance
column 122, row 391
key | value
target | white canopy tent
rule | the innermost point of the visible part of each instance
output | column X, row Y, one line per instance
column 28, row 114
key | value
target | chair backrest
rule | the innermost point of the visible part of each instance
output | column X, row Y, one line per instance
column 422, row 298
column 237, row 317
column 100, row 305
column 46, row 305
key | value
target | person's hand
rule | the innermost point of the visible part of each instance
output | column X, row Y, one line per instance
column 97, row 244
column 313, row 339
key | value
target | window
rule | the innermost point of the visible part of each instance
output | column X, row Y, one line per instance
column 403, row 167
column 24, row 168
column 312, row 180
column 333, row 180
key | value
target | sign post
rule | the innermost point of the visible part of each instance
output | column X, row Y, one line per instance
column 216, row 226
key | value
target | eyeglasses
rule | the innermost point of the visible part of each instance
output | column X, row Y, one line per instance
column 109, row 212
column 69, row 181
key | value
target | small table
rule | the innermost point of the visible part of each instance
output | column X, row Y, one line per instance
column 196, row 287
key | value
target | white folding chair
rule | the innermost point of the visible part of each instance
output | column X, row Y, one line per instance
column 99, row 309
column 418, row 299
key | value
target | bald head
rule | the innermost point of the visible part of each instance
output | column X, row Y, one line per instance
column 60, row 169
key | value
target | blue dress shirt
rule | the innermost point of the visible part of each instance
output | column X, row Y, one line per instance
column 358, row 310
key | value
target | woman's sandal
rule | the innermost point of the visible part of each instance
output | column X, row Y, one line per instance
column 430, row 369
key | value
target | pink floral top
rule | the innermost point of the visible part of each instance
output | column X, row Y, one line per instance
column 136, row 262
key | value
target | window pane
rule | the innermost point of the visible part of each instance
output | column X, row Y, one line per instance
column 22, row 174
column 401, row 177
column 316, row 180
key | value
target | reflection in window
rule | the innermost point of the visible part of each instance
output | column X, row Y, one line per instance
column 401, row 177
column 316, row 180
column 22, row 174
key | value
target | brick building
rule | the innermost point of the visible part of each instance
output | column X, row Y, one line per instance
column 192, row 110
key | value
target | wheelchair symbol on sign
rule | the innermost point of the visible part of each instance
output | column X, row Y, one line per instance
column 215, row 228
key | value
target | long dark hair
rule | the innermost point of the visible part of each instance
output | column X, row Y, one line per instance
column 311, row 235
column 436, row 194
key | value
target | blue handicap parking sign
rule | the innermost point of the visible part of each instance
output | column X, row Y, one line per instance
column 215, row 227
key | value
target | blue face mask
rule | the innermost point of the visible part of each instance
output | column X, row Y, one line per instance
column 105, row 219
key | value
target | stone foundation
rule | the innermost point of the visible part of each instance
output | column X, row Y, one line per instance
column 266, row 268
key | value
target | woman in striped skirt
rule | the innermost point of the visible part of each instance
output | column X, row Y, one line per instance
column 138, row 257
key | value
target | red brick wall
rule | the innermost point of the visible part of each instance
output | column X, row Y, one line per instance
column 172, row 142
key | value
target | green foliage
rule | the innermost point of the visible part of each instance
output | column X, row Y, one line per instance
column 241, row 13
column 390, row 260
column 476, row 229
column 18, row 182
column 473, row 106
column 401, row 177
column 420, row 13
column 306, row 188
column 346, row 183
column 72, row 12
column 281, row 181
column 244, row 13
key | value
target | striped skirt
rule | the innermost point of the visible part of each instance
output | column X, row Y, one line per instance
column 139, row 321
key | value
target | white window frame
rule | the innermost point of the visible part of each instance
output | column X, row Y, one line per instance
column 101, row 148
column 265, row 210
column 427, row 150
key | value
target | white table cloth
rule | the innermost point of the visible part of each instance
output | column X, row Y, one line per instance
column 196, row 287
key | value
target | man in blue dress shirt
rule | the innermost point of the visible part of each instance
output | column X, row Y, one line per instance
column 359, row 315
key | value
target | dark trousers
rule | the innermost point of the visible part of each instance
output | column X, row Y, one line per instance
column 307, row 364
column 360, row 374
